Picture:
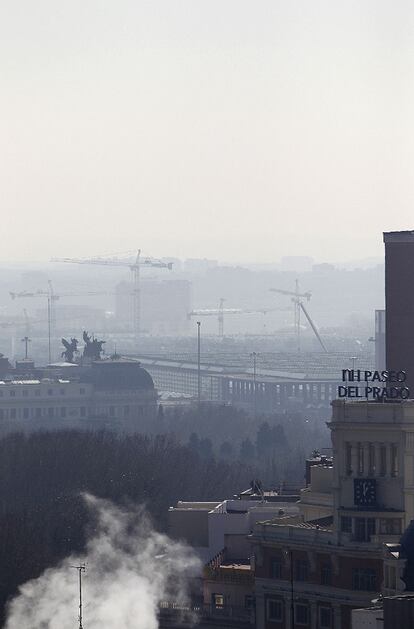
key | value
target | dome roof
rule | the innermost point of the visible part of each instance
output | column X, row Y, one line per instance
column 107, row 375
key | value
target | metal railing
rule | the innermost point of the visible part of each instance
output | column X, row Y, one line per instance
column 190, row 611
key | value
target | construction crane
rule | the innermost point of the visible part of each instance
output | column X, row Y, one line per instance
column 221, row 312
column 51, row 297
column 298, row 306
column 135, row 268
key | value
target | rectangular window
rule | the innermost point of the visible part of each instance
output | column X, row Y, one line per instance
column 274, row 610
column 360, row 459
column 364, row 528
column 392, row 578
column 12, row 393
column 111, row 411
column 25, row 392
column 82, row 391
column 348, row 458
column 13, row 413
column 370, row 527
column 326, row 574
column 83, row 411
column 249, row 601
column 346, row 524
column 63, row 411
column 325, row 618
column 364, row 580
column 360, row 530
column 38, row 413
column 25, row 413
column 383, row 460
column 301, row 614
column 301, row 570
column 50, row 412
column 390, row 526
column 126, row 411
column 50, row 391
column 394, row 460
column 62, row 392
column 371, row 462
column 276, row 569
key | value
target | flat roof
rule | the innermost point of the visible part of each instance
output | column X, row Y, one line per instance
column 406, row 236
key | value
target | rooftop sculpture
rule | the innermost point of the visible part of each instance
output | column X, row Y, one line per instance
column 71, row 349
column 93, row 348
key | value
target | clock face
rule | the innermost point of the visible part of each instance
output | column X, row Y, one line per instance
column 365, row 491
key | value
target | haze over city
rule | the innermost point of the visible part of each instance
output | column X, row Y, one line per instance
column 230, row 130
column 206, row 314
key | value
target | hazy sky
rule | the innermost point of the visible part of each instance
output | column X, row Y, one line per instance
column 228, row 129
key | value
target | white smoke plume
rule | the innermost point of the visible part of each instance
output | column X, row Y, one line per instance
column 130, row 569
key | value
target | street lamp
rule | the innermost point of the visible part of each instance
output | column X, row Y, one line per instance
column 254, row 356
column 199, row 362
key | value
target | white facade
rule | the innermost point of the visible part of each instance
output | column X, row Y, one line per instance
column 212, row 522
column 373, row 442
column 49, row 399
column 316, row 500
column 370, row 618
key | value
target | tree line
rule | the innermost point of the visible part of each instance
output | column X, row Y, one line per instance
column 42, row 476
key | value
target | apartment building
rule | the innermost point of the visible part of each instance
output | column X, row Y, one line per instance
column 111, row 393
column 312, row 574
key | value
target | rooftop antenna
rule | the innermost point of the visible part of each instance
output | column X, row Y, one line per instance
column 81, row 568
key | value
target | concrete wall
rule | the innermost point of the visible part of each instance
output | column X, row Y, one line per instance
column 190, row 525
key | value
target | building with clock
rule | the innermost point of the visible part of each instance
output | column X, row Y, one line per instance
column 313, row 573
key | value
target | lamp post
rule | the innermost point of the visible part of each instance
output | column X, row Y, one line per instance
column 254, row 356
column 199, row 362
column 49, row 319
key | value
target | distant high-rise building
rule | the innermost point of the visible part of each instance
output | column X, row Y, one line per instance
column 399, row 302
column 165, row 305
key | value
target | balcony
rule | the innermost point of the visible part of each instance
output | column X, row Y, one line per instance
column 188, row 615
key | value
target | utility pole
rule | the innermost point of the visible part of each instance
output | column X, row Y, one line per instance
column 26, row 342
column 254, row 356
column 221, row 317
column 48, row 326
column 81, row 568
column 296, row 302
column 199, row 362
column 137, row 295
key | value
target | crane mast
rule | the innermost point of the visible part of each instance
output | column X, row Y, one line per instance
column 135, row 269
column 298, row 307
